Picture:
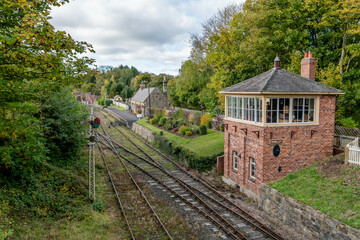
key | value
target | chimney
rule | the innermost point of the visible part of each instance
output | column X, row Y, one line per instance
column 277, row 63
column 308, row 66
column 164, row 85
column 142, row 85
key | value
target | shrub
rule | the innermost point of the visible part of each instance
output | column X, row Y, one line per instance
column 222, row 127
column 184, row 129
column 188, row 133
column 168, row 126
column 98, row 205
column 101, row 102
column 180, row 122
column 108, row 102
column 195, row 129
column 169, row 113
column 178, row 114
column 202, row 129
column 153, row 121
column 205, row 119
column 161, row 133
column 162, row 121
column 209, row 124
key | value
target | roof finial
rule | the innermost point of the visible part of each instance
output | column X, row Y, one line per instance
column 277, row 62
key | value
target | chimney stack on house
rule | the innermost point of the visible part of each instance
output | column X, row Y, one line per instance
column 165, row 85
column 142, row 85
column 308, row 66
column 277, row 63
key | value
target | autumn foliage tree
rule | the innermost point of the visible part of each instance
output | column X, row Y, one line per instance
column 35, row 61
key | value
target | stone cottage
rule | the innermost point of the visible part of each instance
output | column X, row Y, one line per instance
column 141, row 101
column 276, row 123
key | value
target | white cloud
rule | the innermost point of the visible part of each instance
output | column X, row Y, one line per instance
column 151, row 35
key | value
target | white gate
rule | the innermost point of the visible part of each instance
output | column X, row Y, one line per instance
column 353, row 155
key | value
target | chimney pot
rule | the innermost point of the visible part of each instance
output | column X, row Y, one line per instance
column 308, row 66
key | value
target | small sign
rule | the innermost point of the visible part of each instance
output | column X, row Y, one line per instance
column 276, row 141
column 139, row 116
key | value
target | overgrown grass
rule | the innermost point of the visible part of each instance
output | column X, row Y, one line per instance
column 209, row 144
column 31, row 212
column 337, row 194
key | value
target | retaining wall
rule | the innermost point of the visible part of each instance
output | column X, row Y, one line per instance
column 143, row 132
column 312, row 223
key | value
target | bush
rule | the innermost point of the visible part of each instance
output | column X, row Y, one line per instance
column 202, row 129
column 108, row 102
column 101, row 102
column 98, row 205
column 178, row 114
column 195, row 129
column 188, row 133
column 222, row 127
column 153, row 121
column 205, row 119
column 161, row 133
column 209, row 125
column 168, row 126
column 180, row 122
column 162, row 121
column 184, row 129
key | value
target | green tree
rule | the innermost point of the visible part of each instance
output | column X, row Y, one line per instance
column 35, row 61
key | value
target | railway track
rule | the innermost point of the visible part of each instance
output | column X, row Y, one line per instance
column 186, row 188
column 133, row 203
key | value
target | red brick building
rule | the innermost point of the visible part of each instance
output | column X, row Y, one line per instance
column 276, row 123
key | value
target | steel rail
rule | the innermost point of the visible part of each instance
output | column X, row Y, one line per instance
column 253, row 221
column 140, row 191
column 211, row 218
column 117, row 194
column 186, row 188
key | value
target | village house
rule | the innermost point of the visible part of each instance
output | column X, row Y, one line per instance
column 141, row 101
column 276, row 123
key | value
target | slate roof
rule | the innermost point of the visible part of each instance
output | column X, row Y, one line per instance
column 142, row 94
column 280, row 81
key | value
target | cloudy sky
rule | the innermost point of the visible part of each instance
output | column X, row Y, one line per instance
column 151, row 35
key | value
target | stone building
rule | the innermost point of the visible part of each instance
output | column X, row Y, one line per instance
column 140, row 101
column 276, row 123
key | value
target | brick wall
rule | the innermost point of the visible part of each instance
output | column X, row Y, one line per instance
column 307, row 145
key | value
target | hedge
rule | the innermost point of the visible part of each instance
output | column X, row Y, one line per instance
column 178, row 152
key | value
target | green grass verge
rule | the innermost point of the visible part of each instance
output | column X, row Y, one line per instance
column 337, row 194
column 210, row 144
column 118, row 107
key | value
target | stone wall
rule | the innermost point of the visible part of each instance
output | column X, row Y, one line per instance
column 312, row 223
column 143, row 132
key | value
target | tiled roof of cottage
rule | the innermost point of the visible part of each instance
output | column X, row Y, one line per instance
column 142, row 94
column 280, row 81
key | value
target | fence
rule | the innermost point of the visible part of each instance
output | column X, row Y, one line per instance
column 343, row 136
column 352, row 152
column 120, row 104
column 341, row 141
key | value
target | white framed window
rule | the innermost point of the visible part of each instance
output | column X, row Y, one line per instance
column 278, row 110
column 303, row 110
column 235, row 160
column 252, row 167
column 244, row 108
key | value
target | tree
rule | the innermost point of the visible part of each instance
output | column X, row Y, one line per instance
column 35, row 61
column 143, row 77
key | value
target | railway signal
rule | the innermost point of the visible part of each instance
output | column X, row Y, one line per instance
column 96, row 123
